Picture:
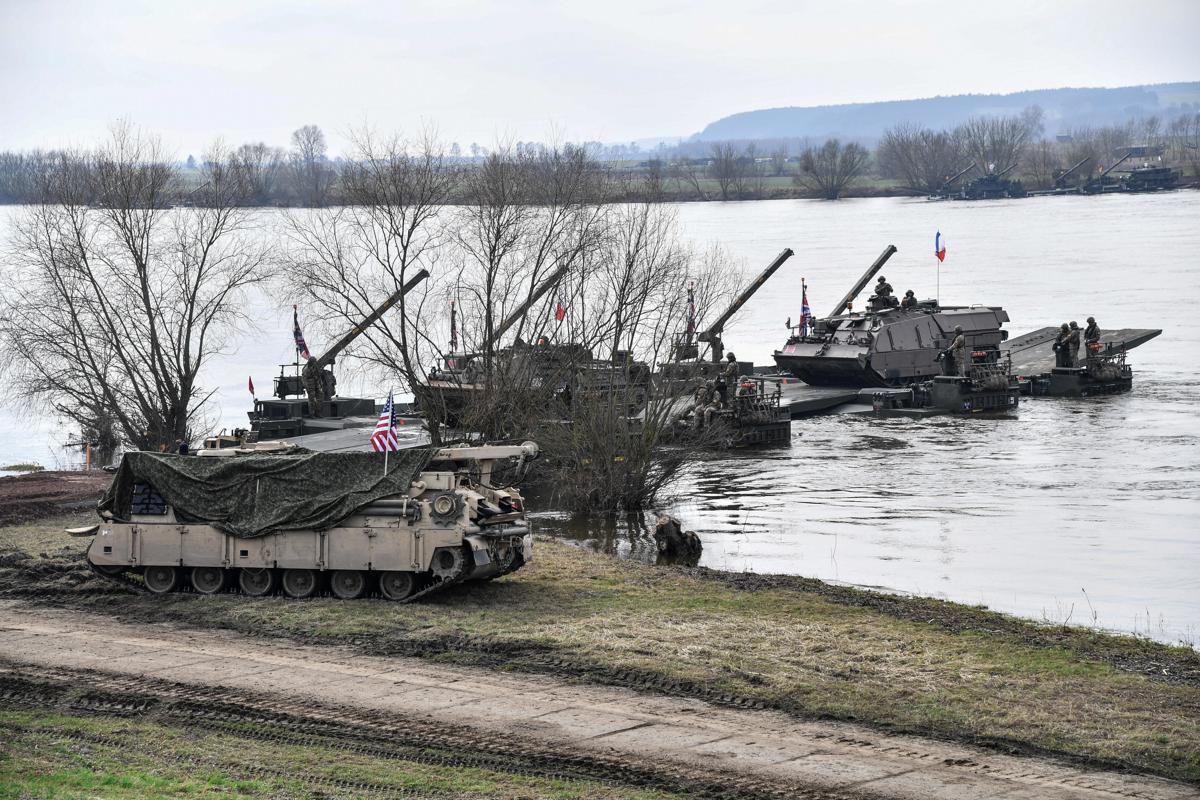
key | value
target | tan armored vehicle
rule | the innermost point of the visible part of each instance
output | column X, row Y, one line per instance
column 281, row 517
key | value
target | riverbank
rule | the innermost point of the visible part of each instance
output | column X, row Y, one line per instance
column 806, row 648
column 40, row 493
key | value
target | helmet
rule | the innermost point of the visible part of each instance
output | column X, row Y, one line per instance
column 1074, row 324
column 730, row 357
column 311, row 360
column 1065, row 327
column 958, row 328
column 909, row 293
column 1092, row 320
column 881, row 279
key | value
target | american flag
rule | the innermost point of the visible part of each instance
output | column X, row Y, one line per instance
column 301, row 347
column 383, row 439
column 805, row 311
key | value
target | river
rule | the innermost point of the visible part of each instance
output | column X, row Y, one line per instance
column 1077, row 511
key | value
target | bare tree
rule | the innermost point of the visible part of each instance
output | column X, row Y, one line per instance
column 343, row 264
column 261, row 166
column 779, row 157
column 312, row 174
column 728, row 168
column 114, row 309
column 688, row 172
column 995, row 143
column 828, row 170
column 1042, row 162
column 921, row 159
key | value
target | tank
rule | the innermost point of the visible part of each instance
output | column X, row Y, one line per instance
column 885, row 345
column 278, row 518
column 992, row 186
column 1152, row 178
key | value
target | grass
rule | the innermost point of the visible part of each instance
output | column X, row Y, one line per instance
column 905, row 664
column 48, row 755
column 22, row 467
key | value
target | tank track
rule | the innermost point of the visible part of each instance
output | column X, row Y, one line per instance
column 126, row 580
column 267, row 718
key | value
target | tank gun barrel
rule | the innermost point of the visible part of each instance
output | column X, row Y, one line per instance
column 341, row 344
column 960, row 173
column 524, row 307
column 712, row 333
column 1007, row 170
column 1117, row 163
column 1068, row 172
column 858, row 286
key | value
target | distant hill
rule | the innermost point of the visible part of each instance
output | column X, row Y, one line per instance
column 1064, row 109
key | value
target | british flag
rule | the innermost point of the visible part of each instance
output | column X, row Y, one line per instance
column 383, row 438
column 301, row 347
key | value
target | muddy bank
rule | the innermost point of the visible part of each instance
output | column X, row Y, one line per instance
column 43, row 494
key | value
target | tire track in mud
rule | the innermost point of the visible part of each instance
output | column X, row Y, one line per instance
column 279, row 721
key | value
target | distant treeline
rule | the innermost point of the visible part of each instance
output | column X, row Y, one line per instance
column 907, row 159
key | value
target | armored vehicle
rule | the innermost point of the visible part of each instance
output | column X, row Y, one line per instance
column 542, row 371
column 260, row 518
column 1103, row 371
column 1148, row 178
column 287, row 414
column 886, row 345
column 991, row 186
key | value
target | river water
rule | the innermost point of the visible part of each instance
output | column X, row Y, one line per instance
column 1078, row 511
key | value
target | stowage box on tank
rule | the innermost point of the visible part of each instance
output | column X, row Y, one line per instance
column 224, row 523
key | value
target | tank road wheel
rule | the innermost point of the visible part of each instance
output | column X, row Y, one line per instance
column 161, row 580
column 447, row 563
column 348, row 584
column 208, row 580
column 299, row 583
column 256, row 582
column 397, row 585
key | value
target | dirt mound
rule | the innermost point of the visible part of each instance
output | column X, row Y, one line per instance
column 42, row 494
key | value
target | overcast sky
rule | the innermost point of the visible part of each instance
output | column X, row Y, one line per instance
column 612, row 70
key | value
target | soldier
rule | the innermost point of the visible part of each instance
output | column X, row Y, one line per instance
column 1060, row 346
column 702, row 397
column 310, row 377
column 959, row 348
column 1091, row 334
column 328, row 383
column 728, row 377
column 882, row 287
column 1073, row 343
column 909, row 301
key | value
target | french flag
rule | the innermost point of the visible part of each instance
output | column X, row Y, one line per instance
column 939, row 247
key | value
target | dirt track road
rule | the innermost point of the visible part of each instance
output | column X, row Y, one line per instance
column 687, row 741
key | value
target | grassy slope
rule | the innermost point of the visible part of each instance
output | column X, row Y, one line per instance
column 817, row 651
column 46, row 755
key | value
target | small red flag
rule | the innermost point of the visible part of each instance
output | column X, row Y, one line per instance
column 560, row 310
column 251, row 382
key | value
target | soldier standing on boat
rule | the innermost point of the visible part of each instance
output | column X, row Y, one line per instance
column 729, row 377
column 1073, row 342
column 1061, row 352
column 959, row 348
column 310, row 377
column 1091, row 334
column 882, row 287
column 909, row 301
column 703, row 396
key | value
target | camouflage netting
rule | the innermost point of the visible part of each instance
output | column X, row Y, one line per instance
column 255, row 495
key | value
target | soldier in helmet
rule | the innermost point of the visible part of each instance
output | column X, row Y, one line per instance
column 1091, row 334
column 909, row 301
column 882, row 287
column 1060, row 346
column 727, row 378
column 310, row 377
column 959, row 348
column 702, row 398
column 1073, row 343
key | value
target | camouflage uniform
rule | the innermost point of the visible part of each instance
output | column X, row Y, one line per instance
column 1092, row 332
column 310, row 377
column 909, row 301
column 883, row 288
column 1073, row 344
column 1061, row 351
column 961, row 356
column 703, row 396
